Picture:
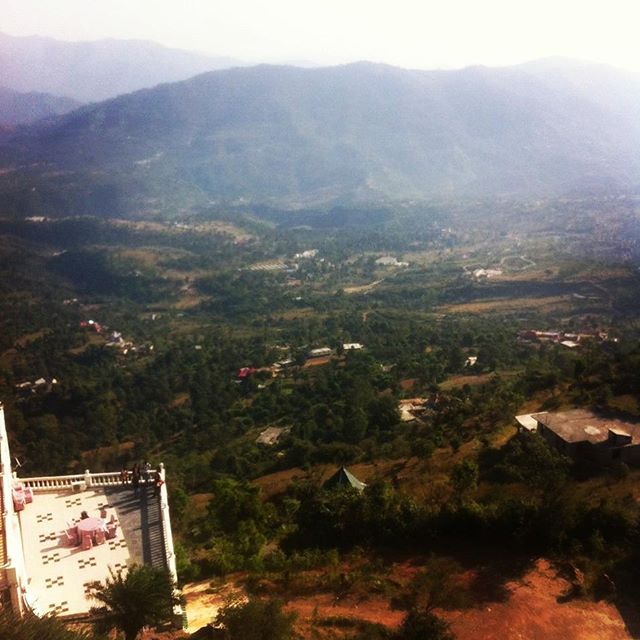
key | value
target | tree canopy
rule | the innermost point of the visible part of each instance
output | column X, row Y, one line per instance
column 130, row 601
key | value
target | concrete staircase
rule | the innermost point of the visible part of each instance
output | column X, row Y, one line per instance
column 153, row 549
column 141, row 524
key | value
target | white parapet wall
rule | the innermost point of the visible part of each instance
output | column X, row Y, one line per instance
column 14, row 568
column 78, row 481
column 168, row 537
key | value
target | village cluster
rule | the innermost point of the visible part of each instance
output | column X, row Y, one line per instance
column 114, row 340
column 568, row 339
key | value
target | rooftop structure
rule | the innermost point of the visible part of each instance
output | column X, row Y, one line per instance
column 569, row 340
column 43, row 569
column 412, row 408
column 321, row 352
column 309, row 253
column 584, row 434
column 486, row 273
column 527, row 422
column 271, row 435
column 390, row 261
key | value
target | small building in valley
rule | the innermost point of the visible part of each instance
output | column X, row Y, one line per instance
column 412, row 408
column 321, row 352
column 582, row 434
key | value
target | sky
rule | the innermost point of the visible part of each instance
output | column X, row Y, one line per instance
column 407, row 33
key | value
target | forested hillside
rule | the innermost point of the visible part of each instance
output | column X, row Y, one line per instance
column 192, row 343
column 259, row 276
column 23, row 108
column 294, row 136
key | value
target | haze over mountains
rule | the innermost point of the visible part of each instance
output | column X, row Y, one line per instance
column 94, row 71
column 359, row 132
column 22, row 108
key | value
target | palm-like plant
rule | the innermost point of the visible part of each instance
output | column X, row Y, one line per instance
column 140, row 597
column 31, row 627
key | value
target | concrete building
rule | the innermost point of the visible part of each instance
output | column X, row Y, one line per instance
column 321, row 352
column 42, row 569
column 582, row 434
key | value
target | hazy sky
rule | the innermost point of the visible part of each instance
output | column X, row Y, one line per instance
column 410, row 33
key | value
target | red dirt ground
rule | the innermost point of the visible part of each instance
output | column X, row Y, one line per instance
column 528, row 609
column 530, row 612
column 325, row 606
column 317, row 362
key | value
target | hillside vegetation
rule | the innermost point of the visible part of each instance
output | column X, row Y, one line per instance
column 192, row 317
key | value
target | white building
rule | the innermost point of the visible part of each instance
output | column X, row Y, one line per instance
column 42, row 570
column 321, row 352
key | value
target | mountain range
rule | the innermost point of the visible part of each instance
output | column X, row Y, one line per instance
column 358, row 132
column 24, row 108
column 96, row 70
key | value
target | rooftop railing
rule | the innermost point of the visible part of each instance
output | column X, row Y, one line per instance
column 169, row 551
column 78, row 481
column 166, row 526
column 50, row 483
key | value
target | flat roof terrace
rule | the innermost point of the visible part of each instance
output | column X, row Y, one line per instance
column 60, row 574
column 580, row 425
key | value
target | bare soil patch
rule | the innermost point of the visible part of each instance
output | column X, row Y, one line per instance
column 511, row 304
column 408, row 384
column 320, row 606
column 527, row 606
column 317, row 362
column 27, row 338
column 363, row 288
column 532, row 612
column 204, row 600
column 455, row 382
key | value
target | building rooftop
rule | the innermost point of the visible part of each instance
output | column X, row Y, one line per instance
column 41, row 568
column 60, row 574
column 583, row 425
column 528, row 421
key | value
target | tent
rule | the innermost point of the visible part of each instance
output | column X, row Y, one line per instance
column 343, row 478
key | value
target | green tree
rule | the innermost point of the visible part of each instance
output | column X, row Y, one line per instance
column 423, row 625
column 433, row 587
column 141, row 597
column 357, row 425
column 256, row 620
column 464, row 477
column 32, row 627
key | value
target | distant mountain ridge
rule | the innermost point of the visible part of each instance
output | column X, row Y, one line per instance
column 97, row 70
column 358, row 132
column 24, row 108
